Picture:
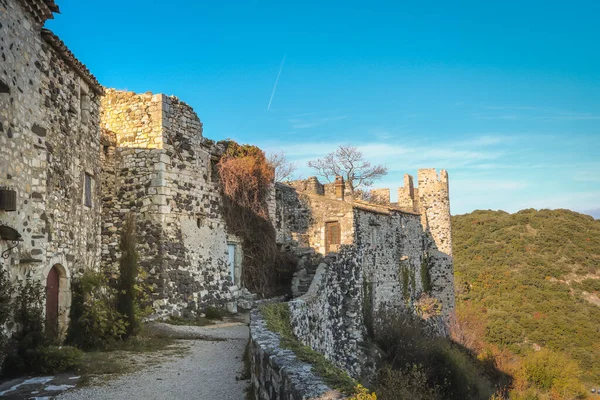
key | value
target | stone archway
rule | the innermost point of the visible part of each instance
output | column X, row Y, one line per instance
column 58, row 300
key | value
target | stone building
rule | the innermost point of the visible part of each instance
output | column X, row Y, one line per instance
column 49, row 164
column 157, row 165
column 410, row 238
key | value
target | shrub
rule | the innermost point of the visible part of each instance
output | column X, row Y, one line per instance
column 412, row 353
column 425, row 275
column 410, row 382
column 95, row 321
column 128, row 274
column 6, row 292
column 212, row 312
column 29, row 349
column 28, row 307
column 552, row 371
column 42, row 360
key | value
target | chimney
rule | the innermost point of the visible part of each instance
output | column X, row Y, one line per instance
column 339, row 187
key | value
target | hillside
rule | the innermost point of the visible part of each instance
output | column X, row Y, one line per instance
column 530, row 280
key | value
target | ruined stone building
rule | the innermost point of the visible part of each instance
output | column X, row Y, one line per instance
column 411, row 235
column 157, row 165
column 76, row 159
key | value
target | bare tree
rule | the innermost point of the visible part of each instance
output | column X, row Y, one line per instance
column 348, row 162
column 283, row 167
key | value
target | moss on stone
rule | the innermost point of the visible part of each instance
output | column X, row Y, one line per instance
column 425, row 275
column 278, row 317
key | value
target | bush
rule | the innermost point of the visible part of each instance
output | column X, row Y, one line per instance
column 212, row 312
column 554, row 372
column 405, row 384
column 43, row 360
column 29, row 349
column 95, row 321
column 6, row 292
column 128, row 274
column 420, row 365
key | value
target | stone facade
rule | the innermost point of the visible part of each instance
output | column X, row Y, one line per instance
column 157, row 165
column 49, row 146
column 387, row 260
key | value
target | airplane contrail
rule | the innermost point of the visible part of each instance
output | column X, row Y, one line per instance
column 276, row 81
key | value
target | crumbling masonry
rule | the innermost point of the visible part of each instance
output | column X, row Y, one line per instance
column 76, row 159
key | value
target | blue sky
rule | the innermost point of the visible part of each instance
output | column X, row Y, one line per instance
column 505, row 95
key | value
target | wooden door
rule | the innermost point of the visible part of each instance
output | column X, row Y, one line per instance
column 52, row 289
column 333, row 236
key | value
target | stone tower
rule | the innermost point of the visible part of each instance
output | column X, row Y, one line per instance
column 432, row 200
column 434, row 205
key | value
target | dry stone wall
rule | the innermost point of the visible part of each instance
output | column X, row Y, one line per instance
column 329, row 317
column 49, row 141
column 276, row 373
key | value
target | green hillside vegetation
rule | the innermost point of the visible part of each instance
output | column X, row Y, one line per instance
column 527, row 281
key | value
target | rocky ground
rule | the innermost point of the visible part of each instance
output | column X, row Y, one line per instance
column 210, row 368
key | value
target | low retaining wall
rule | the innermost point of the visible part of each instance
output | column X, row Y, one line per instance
column 277, row 374
column 329, row 317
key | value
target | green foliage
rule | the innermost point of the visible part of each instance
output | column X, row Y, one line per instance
column 425, row 275
column 277, row 317
column 95, row 321
column 43, row 360
column 28, row 309
column 127, row 291
column 6, row 292
column 368, row 306
column 554, row 372
column 30, row 349
column 215, row 313
column 420, row 366
column 405, row 384
column 520, row 271
column 405, row 284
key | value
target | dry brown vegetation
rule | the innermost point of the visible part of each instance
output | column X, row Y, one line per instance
column 246, row 180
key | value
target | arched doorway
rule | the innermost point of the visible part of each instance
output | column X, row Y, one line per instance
column 52, row 293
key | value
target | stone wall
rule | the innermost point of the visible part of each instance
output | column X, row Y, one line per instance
column 161, row 169
column 329, row 317
column 390, row 262
column 301, row 218
column 49, row 141
column 276, row 373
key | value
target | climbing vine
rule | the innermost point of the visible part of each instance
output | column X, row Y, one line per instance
column 246, row 179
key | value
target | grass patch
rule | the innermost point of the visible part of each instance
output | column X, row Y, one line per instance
column 277, row 317
column 117, row 359
column 198, row 321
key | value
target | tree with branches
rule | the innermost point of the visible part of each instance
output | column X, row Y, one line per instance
column 282, row 166
column 347, row 161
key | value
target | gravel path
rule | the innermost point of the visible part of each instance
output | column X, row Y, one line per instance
column 208, row 371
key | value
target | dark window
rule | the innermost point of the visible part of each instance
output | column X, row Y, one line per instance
column 4, row 88
column 333, row 236
column 88, row 190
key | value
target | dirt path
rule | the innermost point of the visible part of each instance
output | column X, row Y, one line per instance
column 209, row 370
